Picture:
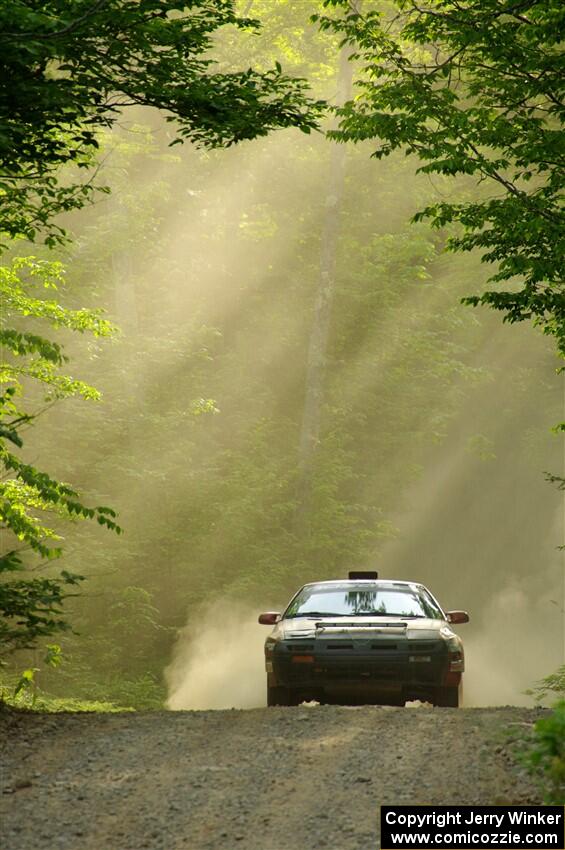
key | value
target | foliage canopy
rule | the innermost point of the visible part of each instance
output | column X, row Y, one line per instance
column 475, row 87
column 30, row 607
column 70, row 66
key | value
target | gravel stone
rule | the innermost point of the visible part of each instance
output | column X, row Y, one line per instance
column 263, row 779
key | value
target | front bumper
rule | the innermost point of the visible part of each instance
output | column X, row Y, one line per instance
column 393, row 665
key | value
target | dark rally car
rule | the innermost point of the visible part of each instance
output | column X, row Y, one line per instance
column 364, row 640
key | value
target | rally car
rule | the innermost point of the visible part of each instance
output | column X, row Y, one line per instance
column 364, row 640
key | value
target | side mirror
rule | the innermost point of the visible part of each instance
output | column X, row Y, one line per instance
column 455, row 617
column 270, row 618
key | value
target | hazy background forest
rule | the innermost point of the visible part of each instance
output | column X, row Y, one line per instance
column 432, row 435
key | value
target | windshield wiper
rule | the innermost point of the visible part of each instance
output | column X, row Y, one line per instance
column 310, row 614
column 307, row 614
column 389, row 614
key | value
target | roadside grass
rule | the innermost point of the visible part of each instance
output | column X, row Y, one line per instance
column 51, row 705
column 544, row 753
column 544, row 756
column 538, row 748
column 22, row 694
column 59, row 692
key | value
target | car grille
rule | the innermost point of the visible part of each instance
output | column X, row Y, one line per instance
column 362, row 659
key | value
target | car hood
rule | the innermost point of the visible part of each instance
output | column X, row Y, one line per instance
column 307, row 627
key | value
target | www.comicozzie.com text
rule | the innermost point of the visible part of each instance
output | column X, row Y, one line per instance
column 479, row 839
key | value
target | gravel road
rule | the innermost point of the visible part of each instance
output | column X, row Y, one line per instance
column 264, row 779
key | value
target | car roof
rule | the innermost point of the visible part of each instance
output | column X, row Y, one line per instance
column 364, row 581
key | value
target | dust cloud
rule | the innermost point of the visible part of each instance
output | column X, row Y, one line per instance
column 510, row 650
column 218, row 661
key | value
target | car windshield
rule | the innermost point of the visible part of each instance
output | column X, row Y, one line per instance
column 343, row 600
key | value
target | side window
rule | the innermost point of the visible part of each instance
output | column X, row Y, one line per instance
column 430, row 607
column 295, row 604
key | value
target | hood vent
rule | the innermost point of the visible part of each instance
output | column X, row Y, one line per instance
column 326, row 628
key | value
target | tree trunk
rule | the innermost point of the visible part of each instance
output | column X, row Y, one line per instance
column 319, row 335
column 127, row 319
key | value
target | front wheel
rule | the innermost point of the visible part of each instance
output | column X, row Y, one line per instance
column 277, row 695
column 449, row 697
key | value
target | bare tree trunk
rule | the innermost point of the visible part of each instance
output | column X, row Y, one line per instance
column 319, row 336
column 127, row 317
column 125, row 296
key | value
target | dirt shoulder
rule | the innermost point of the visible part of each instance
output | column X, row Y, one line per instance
column 265, row 779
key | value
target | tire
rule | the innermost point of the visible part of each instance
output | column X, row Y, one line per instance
column 278, row 696
column 450, row 697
